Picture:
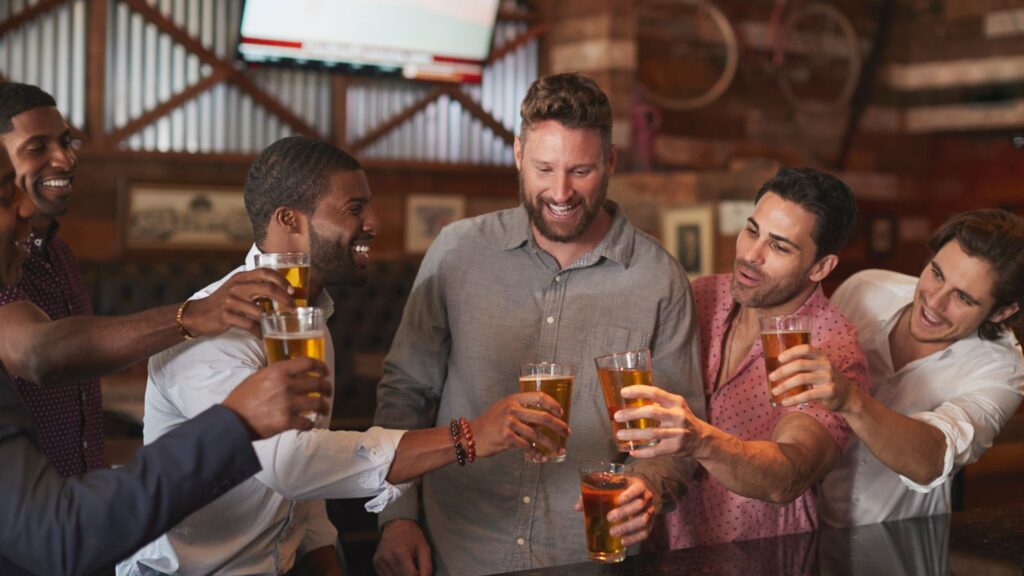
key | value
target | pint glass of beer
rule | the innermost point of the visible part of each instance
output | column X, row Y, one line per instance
column 294, row 266
column 780, row 333
column 617, row 371
column 601, row 485
column 295, row 334
column 555, row 380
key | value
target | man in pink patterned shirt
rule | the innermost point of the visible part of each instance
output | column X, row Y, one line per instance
column 760, row 465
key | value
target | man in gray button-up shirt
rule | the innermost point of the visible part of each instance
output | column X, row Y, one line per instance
column 563, row 278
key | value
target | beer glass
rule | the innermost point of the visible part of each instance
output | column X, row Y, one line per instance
column 779, row 333
column 617, row 371
column 601, row 485
column 294, row 266
column 555, row 380
column 295, row 334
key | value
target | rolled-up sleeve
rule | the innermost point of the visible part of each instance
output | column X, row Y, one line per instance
column 970, row 422
column 307, row 465
column 332, row 464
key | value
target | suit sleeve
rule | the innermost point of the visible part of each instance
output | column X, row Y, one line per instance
column 52, row 525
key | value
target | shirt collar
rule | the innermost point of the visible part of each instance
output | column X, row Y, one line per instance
column 38, row 243
column 323, row 301
column 617, row 244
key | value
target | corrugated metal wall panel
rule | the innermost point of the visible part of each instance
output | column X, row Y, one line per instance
column 145, row 68
column 49, row 52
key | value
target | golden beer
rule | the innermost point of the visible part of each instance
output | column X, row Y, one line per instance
column 600, row 487
column 288, row 346
column 558, row 387
column 612, row 382
column 778, row 334
column 298, row 277
column 774, row 343
column 295, row 334
column 294, row 266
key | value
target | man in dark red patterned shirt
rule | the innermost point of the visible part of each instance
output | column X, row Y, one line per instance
column 69, row 415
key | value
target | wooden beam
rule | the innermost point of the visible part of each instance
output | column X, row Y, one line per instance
column 166, row 108
column 339, row 109
column 535, row 31
column 95, row 71
column 476, row 110
column 965, row 117
column 395, row 121
column 956, row 73
column 233, row 75
column 28, row 14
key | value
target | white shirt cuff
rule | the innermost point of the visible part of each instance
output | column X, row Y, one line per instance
column 959, row 435
column 380, row 445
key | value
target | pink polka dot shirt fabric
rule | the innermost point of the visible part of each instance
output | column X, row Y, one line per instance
column 68, row 416
column 710, row 513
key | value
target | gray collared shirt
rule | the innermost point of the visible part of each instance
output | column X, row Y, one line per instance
column 487, row 299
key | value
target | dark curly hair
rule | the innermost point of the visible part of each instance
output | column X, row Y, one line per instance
column 997, row 237
column 291, row 172
column 16, row 98
column 821, row 194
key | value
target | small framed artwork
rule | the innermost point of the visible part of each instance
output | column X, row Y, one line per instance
column 426, row 215
column 166, row 217
column 688, row 234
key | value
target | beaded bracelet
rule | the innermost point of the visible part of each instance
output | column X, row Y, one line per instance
column 467, row 434
column 460, row 453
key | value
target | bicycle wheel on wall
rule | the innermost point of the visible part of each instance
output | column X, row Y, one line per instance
column 821, row 59
column 687, row 52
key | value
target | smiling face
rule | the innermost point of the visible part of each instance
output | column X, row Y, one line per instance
column 953, row 297
column 15, row 212
column 342, row 229
column 44, row 157
column 563, row 179
column 775, row 267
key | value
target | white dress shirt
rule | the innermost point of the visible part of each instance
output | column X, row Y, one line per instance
column 967, row 391
column 265, row 524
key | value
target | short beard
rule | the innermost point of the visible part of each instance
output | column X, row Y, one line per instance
column 337, row 268
column 767, row 296
column 590, row 211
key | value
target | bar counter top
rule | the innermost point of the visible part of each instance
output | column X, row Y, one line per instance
column 976, row 543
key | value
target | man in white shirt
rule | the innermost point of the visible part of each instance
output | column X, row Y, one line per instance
column 945, row 370
column 303, row 195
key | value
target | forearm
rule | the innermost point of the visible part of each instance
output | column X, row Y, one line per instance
column 907, row 446
column 419, row 452
column 798, row 455
column 81, row 347
column 758, row 469
column 322, row 562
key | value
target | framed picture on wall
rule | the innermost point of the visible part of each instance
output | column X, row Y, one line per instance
column 688, row 234
column 185, row 217
column 426, row 215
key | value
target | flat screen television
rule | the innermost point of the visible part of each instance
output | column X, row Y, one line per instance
column 438, row 40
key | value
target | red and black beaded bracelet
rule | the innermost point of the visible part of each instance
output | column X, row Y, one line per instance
column 460, row 453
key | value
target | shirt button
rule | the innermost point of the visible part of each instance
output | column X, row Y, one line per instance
column 558, row 278
column 520, row 541
column 551, row 319
column 526, row 499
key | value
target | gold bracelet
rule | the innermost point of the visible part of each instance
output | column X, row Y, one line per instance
column 181, row 326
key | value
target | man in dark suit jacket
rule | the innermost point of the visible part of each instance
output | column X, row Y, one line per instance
column 52, row 525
